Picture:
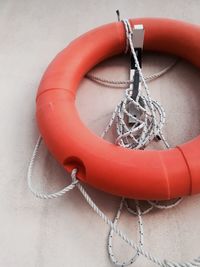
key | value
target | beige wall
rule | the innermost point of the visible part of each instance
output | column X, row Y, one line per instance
column 66, row 232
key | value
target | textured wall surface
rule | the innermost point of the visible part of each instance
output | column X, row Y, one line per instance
column 66, row 232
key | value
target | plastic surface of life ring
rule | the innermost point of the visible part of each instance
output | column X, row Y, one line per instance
column 152, row 174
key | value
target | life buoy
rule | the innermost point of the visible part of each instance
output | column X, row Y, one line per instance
column 156, row 175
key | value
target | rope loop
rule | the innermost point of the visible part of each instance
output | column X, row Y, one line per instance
column 47, row 195
column 111, row 233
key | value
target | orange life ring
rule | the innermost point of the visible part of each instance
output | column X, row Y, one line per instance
column 136, row 174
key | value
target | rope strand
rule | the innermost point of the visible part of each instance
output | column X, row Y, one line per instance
column 123, row 84
column 110, row 236
column 29, row 178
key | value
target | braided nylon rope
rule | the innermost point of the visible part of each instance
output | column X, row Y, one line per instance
column 149, row 123
column 124, row 84
column 110, row 236
column 154, row 118
column 29, row 178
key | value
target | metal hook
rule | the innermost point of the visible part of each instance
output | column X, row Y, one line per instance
column 118, row 15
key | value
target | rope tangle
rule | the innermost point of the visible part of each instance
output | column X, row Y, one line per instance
column 149, row 117
column 142, row 131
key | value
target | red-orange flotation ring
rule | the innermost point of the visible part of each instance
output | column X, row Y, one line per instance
column 136, row 174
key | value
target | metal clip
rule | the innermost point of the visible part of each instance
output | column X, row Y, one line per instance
column 118, row 15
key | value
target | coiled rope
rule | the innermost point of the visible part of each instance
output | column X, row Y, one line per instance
column 144, row 130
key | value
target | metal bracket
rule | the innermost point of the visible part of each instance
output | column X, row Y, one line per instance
column 138, row 41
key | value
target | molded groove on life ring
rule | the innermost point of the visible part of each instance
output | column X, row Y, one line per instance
column 71, row 163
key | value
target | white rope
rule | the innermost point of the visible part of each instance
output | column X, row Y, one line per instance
column 164, row 204
column 153, row 112
column 125, row 83
column 29, row 178
column 150, row 118
column 110, row 236
column 134, row 211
